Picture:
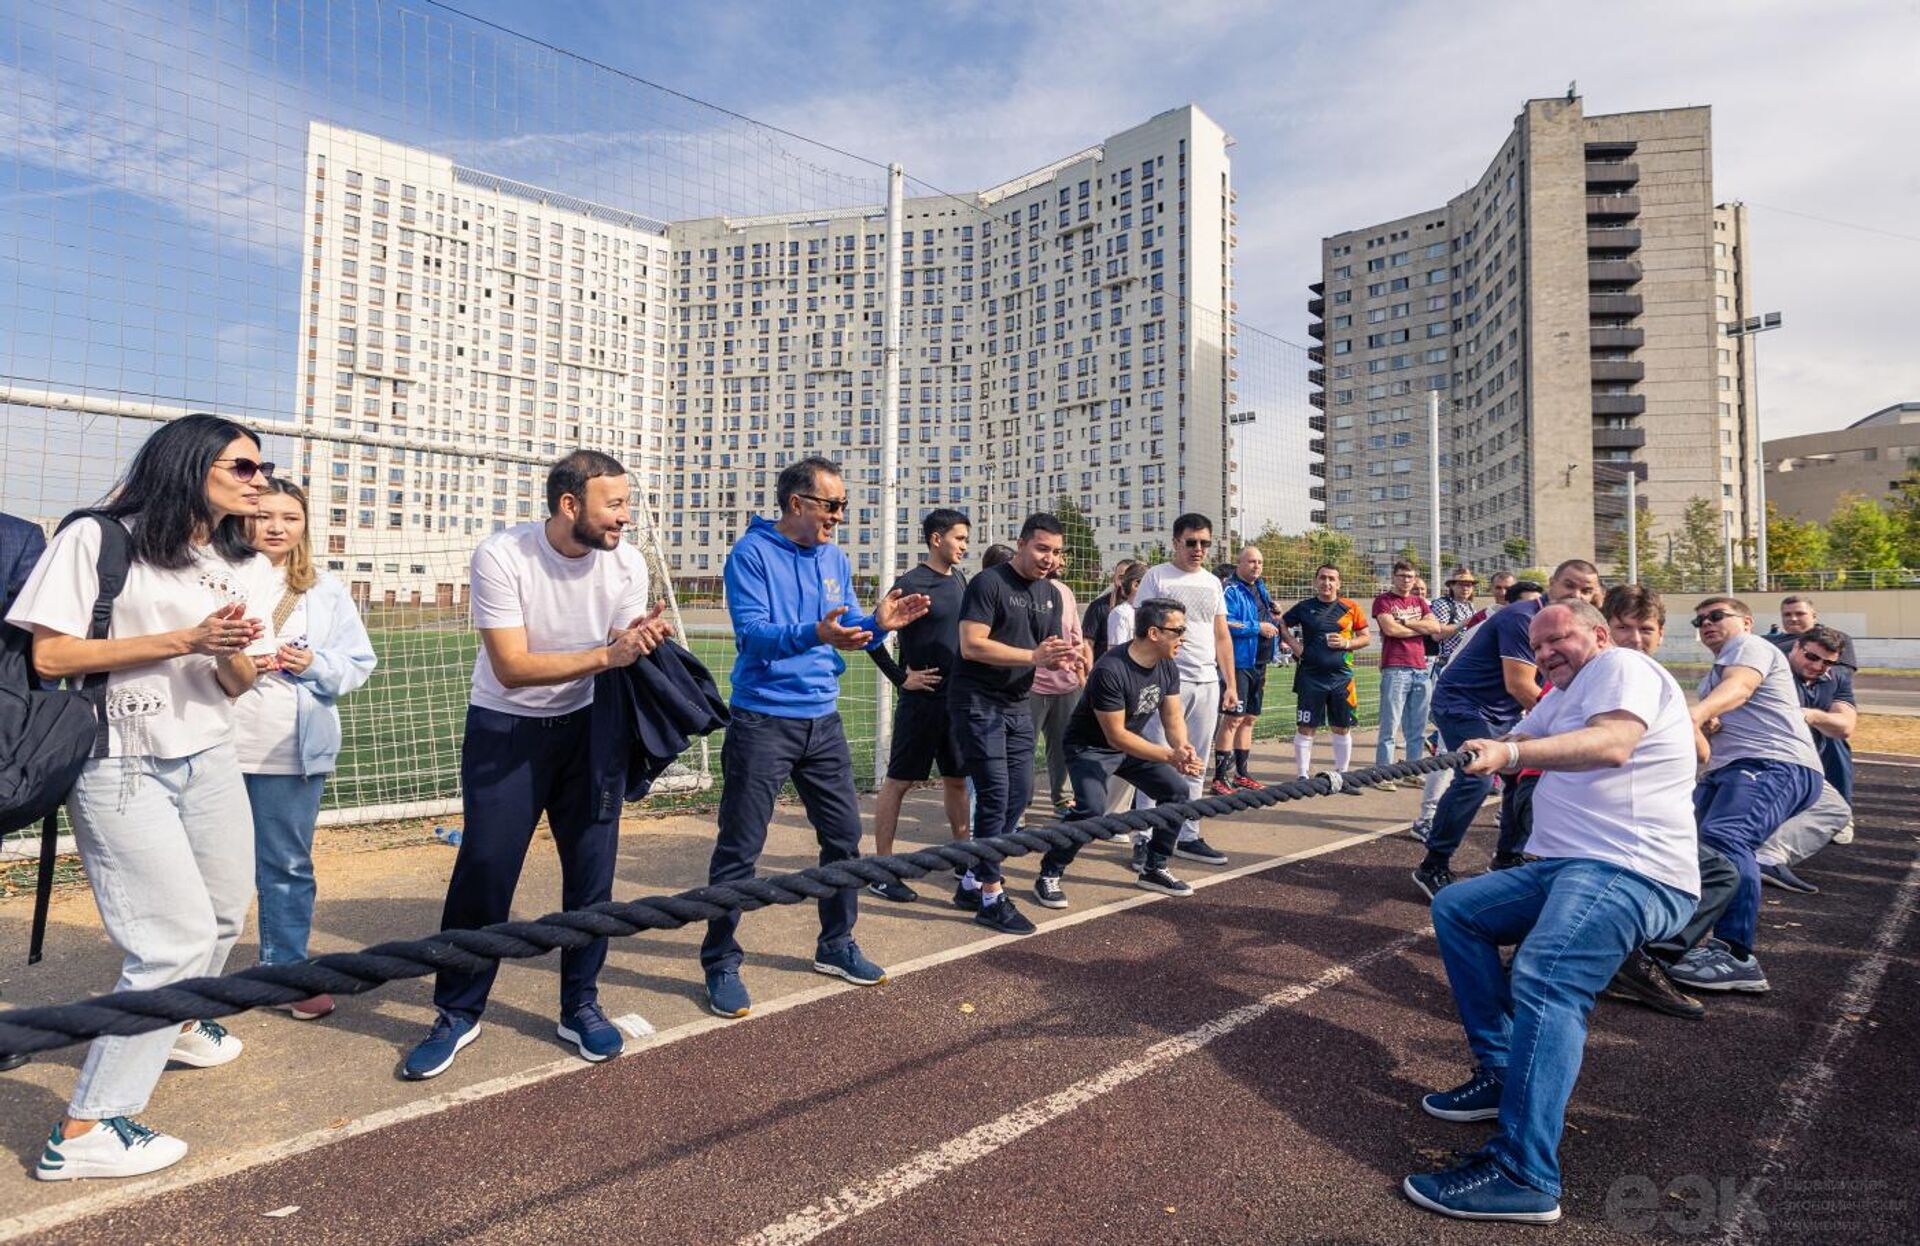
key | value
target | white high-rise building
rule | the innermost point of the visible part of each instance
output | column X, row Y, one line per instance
column 1064, row 335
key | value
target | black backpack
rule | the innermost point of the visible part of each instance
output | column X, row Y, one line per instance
column 47, row 735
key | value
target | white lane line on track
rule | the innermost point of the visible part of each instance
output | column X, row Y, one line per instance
column 226, row 1165
column 1816, row 1071
column 983, row 1140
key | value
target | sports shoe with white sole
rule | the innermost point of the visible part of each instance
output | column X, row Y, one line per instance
column 1200, row 850
column 205, row 1045
column 118, row 1146
column 433, row 1055
column 1162, row 882
column 1711, row 967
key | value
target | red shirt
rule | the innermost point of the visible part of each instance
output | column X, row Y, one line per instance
column 1409, row 651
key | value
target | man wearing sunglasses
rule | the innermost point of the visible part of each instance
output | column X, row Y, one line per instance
column 1208, row 684
column 1763, row 770
column 1826, row 701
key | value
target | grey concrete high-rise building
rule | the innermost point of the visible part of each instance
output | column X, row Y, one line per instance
column 1569, row 308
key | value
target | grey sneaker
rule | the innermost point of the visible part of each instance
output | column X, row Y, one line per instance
column 1712, row 968
column 1420, row 830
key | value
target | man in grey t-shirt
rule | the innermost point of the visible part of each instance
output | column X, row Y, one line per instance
column 1763, row 770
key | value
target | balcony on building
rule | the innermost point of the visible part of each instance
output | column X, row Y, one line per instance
column 1318, row 468
column 1612, row 338
column 1316, row 355
column 1613, row 238
column 1317, row 422
column 1619, row 404
column 1317, row 445
column 1317, row 515
column 1316, row 307
column 1316, row 376
column 1619, row 370
column 1613, row 272
column 1317, row 492
column 1612, row 207
column 1615, row 438
column 1611, row 173
column 1316, row 287
column 1317, row 330
column 1614, row 304
column 1318, row 399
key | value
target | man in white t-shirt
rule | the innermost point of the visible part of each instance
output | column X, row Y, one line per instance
column 1614, row 867
column 555, row 604
column 1207, row 682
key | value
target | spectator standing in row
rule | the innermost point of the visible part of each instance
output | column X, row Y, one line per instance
column 1208, row 684
column 1826, row 701
column 161, row 820
column 555, row 603
column 1056, row 691
column 1251, row 619
column 922, row 735
column 1323, row 633
column 1453, row 610
column 1120, row 586
column 1797, row 617
column 1010, row 626
column 1405, row 623
column 287, row 727
column 790, row 597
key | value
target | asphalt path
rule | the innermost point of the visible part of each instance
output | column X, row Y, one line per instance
column 1240, row 1066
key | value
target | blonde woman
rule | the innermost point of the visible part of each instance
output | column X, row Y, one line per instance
column 286, row 729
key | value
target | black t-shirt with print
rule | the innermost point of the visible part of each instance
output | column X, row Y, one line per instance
column 1120, row 683
column 1018, row 612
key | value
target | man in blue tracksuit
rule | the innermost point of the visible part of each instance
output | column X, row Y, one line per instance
column 1250, row 621
column 790, row 595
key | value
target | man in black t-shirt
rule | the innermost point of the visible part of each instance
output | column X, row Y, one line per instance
column 929, row 647
column 1009, row 625
column 1131, row 685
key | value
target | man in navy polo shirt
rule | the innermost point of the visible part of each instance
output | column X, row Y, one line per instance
column 1482, row 693
column 1826, row 701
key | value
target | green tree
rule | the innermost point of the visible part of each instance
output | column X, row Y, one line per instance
column 1153, row 555
column 1904, row 504
column 1795, row 547
column 1081, row 550
column 1699, row 553
column 1292, row 557
column 1654, row 571
column 1862, row 535
column 1518, row 550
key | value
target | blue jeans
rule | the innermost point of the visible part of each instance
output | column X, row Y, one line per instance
column 760, row 753
column 1464, row 795
column 285, row 808
column 1405, row 692
column 1575, row 921
column 1738, row 807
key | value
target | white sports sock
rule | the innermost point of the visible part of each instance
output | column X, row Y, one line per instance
column 1342, row 751
column 1303, row 754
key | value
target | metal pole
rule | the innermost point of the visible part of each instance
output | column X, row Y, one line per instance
column 1726, row 543
column 1759, row 477
column 1433, row 481
column 889, row 452
column 1633, row 525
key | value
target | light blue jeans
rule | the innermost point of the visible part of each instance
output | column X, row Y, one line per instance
column 285, row 808
column 170, row 859
column 1575, row 921
column 1405, row 692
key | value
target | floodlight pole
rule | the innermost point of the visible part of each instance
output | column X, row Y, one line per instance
column 889, row 453
column 1749, row 327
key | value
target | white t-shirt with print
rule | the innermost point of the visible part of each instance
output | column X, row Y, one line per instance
column 168, row 709
column 566, row 605
column 1640, row 815
column 1205, row 600
column 266, row 715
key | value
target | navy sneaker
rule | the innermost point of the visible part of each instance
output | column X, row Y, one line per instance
column 847, row 962
column 726, row 994
column 433, row 1055
column 588, row 1029
column 895, row 890
column 1002, row 918
column 1783, row 877
column 965, row 897
column 1164, row 883
column 1200, row 850
column 1479, row 1190
column 1432, row 880
column 1048, row 891
column 1478, row 1099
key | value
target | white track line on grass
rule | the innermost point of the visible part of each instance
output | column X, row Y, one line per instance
column 134, row 1191
column 983, row 1140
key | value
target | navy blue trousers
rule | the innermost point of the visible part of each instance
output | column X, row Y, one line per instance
column 760, row 754
column 513, row 768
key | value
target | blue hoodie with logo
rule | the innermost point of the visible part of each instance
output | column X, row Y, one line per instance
column 777, row 592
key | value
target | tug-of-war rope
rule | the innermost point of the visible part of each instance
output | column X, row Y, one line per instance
column 27, row 1030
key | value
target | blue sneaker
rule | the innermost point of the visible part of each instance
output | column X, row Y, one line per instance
column 434, row 1054
column 1479, row 1190
column 1477, row 1100
column 587, row 1028
column 847, row 962
column 726, row 994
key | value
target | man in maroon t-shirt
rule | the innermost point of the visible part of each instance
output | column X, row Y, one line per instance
column 1405, row 621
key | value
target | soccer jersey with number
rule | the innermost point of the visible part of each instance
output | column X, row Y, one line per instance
column 1320, row 666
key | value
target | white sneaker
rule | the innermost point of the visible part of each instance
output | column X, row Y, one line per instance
column 118, row 1146
column 1386, row 785
column 1845, row 835
column 205, row 1045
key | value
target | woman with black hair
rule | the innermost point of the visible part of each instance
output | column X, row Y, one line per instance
column 162, row 819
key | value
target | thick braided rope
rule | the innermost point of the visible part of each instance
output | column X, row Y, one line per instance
column 26, row 1030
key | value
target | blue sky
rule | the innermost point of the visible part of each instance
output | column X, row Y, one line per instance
column 150, row 163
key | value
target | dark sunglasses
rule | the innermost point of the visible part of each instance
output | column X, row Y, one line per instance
column 1713, row 616
column 1194, row 542
column 1807, row 655
column 833, row 506
column 1173, row 631
column 246, row 469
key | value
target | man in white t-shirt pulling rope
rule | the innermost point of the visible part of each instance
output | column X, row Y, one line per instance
column 1614, row 868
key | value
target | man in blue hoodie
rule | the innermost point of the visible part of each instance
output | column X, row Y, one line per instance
column 1251, row 622
column 790, row 594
